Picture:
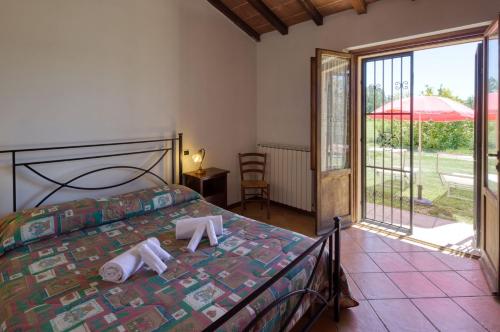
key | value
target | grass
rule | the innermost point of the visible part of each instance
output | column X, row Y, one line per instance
column 456, row 209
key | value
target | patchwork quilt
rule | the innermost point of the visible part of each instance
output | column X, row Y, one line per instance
column 50, row 256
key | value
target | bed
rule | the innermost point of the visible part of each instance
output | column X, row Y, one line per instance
column 260, row 277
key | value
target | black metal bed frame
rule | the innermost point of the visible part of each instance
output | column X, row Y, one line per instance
column 332, row 237
column 333, row 291
column 14, row 153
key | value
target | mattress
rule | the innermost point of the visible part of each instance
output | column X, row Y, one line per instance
column 50, row 256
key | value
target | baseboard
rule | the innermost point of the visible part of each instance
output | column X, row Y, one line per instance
column 308, row 213
column 346, row 222
column 233, row 205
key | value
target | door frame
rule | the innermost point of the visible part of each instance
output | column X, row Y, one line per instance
column 413, row 44
column 492, row 273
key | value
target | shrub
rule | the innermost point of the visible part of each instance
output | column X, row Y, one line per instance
column 440, row 136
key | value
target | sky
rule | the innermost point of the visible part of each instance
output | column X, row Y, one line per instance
column 450, row 66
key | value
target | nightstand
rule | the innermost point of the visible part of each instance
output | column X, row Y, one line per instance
column 212, row 185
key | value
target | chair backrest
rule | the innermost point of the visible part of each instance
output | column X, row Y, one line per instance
column 253, row 163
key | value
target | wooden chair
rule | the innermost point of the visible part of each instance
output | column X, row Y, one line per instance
column 254, row 163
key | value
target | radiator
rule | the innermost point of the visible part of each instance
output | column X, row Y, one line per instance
column 288, row 171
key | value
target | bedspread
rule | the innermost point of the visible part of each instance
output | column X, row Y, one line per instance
column 49, row 277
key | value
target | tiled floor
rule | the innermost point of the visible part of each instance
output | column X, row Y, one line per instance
column 401, row 286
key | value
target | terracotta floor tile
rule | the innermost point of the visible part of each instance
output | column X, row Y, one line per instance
column 424, row 261
column 391, row 262
column 477, row 278
column 446, row 315
column 453, row 284
column 401, row 246
column 415, row 285
column 376, row 286
column 325, row 323
column 358, row 262
column 401, row 315
column 361, row 318
column 357, row 233
column 355, row 291
column 397, row 314
column 348, row 245
column 374, row 244
column 485, row 309
column 457, row 262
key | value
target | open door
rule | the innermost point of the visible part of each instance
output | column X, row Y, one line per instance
column 330, row 136
column 490, row 203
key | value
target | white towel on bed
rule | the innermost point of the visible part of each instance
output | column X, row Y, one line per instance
column 196, row 238
column 184, row 228
column 212, row 236
column 124, row 265
column 151, row 259
column 154, row 245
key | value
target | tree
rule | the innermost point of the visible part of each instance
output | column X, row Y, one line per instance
column 437, row 136
column 492, row 84
column 374, row 97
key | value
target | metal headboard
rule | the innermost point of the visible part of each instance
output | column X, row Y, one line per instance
column 169, row 144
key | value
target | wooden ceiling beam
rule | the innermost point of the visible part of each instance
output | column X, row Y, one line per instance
column 235, row 19
column 268, row 14
column 312, row 11
column 359, row 6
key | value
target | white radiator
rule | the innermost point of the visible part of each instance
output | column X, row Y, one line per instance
column 288, row 171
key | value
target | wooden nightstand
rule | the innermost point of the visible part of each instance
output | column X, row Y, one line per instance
column 212, row 185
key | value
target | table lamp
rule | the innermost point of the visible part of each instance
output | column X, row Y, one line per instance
column 198, row 158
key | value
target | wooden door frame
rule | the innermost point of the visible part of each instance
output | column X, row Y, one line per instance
column 355, row 139
column 418, row 43
column 491, row 272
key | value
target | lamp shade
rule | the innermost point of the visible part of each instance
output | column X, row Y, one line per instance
column 198, row 158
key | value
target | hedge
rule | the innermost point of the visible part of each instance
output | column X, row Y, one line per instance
column 440, row 136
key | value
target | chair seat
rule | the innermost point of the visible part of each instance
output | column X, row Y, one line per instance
column 253, row 184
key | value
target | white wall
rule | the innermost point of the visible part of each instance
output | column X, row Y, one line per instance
column 283, row 73
column 91, row 70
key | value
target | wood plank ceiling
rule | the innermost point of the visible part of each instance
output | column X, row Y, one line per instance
column 256, row 17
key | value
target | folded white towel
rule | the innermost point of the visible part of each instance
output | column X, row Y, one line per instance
column 212, row 236
column 196, row 238
column 154, row 245
column 184, row 228
column 124, row 265
column 151, row 259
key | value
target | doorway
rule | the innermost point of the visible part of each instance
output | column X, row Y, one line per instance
column 418, row 133
column 387, row 181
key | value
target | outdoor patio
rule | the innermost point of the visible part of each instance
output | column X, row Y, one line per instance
column 442, row 173
column 438, row 231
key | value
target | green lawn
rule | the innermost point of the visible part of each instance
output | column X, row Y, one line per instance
column 458, row 209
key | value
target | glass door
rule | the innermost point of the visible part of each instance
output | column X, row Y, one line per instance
column 330, row 136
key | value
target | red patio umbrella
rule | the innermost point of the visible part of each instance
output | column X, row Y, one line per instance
column 425, row 108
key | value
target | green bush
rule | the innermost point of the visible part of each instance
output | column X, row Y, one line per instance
column 437, row 136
